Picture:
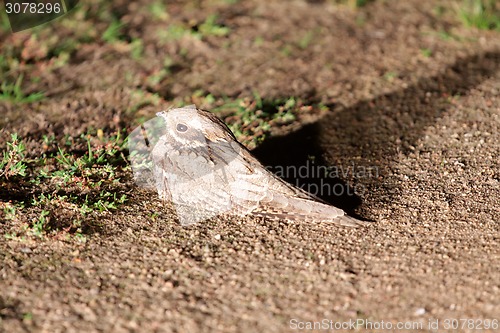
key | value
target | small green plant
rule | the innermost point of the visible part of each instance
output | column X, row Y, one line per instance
column 482, row 14
column 40, row 223
column 162, row 73
column 80, row 237
column 390, row 76
column 173, row 32
column 4, row 66
column 158, row 10
column 306, row 40
column 439, row 10
column 28, row 316
column 13, row 161
column 67, row 185
column 360, row 3
column 258, row 41
column 108, row 201
column 141, row 98
column 353, row 3
column 10, row 210
column 114, row 31
column 286, row 50
column 285, row 112
column 251, row 120
column 445, row 35
column 136, row 48
column 4, row 25
column 48, row 140
column 12, row 92
column 211, row 28
column 426, row 52
column 208, row 28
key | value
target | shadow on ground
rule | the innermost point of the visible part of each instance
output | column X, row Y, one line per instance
column 376, row 130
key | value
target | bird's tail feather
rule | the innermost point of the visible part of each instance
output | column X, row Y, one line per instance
column 306, row 210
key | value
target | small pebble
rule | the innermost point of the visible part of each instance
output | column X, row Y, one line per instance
column 419, row 312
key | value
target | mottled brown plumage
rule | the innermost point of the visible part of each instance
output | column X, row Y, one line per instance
column 201, row 167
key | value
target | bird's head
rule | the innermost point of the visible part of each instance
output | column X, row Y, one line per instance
column 189, row 125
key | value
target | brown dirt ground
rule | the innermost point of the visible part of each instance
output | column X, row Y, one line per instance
column 430, row 124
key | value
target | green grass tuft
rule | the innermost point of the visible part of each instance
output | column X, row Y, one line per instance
column 13, row 160
column 482, row 14
column 63, row 187
column 12, row 92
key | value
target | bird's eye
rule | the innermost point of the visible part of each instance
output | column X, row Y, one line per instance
column 181, row 128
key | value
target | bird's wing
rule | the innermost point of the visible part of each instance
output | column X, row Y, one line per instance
column 281, row 206
column 207, row 180
column 223, row 177
column 285, row 201
column 262, row 193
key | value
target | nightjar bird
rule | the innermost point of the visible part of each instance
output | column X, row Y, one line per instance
column 194, row 160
